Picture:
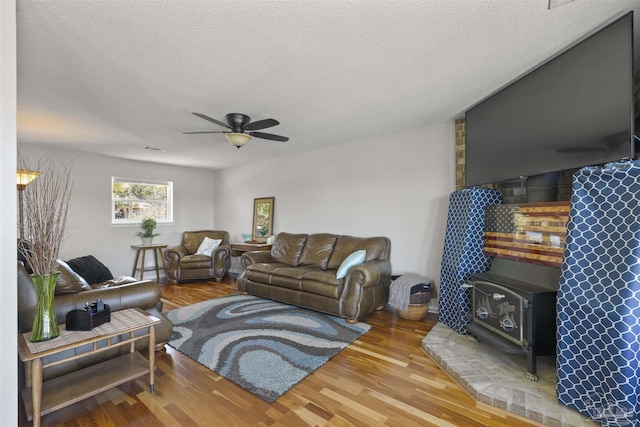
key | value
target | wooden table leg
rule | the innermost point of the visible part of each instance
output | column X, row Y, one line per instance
column 36, row 390
column 27, row 374
column 144, row 251
column 135, row 263
column 152, row 356
column 164, row 264
column 155, row 256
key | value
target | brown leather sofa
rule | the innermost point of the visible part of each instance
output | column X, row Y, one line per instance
column 73, row 292
column 185, row 264
column 301, row 269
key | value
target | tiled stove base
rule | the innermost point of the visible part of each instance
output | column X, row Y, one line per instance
column 498, row 379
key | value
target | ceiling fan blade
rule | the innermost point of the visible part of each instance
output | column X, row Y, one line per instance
column 262, row 124
column 207, row 131
column 270, row 136
column 218, row 122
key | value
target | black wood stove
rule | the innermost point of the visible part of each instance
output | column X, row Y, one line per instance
column 514, row 309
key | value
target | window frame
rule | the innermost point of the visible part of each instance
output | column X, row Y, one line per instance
column 124, row 221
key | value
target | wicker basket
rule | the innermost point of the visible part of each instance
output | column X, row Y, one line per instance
column 418, row 306
column 414, row 312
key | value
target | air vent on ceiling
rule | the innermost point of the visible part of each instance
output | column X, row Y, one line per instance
column 161, row 150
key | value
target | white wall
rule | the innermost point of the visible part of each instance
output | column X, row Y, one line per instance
column 8, row 233
column 395, row 186
column 90, row 230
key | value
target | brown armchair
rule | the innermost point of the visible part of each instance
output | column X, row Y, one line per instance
column 183, row 263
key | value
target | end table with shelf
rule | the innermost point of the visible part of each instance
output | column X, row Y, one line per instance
column 237, row 249
column 156, row 250
column 42, row 397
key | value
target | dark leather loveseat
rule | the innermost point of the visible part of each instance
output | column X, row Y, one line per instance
column 301, row 269
column 74, row 291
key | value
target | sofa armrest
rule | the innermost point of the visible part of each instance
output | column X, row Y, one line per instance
column 255, row 257
column 174, row 253
column 368, row 274
column 250, row 258
column 366, row 287
column 220, row 255
column 144, row 295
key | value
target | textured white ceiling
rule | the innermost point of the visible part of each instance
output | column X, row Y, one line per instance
column 110, row 77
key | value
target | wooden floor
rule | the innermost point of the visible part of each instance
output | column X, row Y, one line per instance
column 382, row 379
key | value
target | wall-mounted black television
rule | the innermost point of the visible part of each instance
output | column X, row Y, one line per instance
column 574, row 110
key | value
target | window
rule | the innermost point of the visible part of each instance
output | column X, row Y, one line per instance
column 133, row 200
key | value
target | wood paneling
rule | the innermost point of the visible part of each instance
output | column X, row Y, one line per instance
column 383, row 378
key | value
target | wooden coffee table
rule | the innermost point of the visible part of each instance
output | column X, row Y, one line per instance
column 42, row 398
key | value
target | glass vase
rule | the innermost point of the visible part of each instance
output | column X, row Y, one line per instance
column 45, row 326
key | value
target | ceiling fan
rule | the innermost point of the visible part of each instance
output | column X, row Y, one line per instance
column 241, row 129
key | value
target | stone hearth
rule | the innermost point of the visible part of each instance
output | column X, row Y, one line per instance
column 498, row 379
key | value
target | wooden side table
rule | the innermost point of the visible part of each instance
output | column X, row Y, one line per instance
column 237, row 249
column 42, row 397
column 157, row 253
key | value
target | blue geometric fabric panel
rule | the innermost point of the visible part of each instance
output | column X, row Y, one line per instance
column 599, row 297
column 462, row 255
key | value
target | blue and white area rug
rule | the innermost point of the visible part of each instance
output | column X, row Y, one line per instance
column 264, row 346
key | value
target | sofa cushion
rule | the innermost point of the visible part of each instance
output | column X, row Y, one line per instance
column 346, row 245
column 192, row 241
column 262, row 272
column 318, row 249
column 322, row 282
column 292, row 272
column 92, row 270
column 356, row 258
column 284, row 282
column 321, row 288
column 288, row 247
column 69, row 282
column 116, row 281
column 266, row 267
column 328, row 277
column 195, row 261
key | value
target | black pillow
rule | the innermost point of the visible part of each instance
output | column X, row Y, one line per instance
column 92, row 270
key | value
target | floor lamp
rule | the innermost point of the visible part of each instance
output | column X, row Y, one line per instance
column 24, row 177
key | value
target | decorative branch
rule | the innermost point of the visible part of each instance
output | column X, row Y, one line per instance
column 46, row 205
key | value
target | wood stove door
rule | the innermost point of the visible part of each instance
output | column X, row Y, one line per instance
column 499, row 309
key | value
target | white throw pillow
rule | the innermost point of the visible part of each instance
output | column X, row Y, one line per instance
column 208, row 246
column 355, row 258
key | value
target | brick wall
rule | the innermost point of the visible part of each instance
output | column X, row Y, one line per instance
column 460, row 153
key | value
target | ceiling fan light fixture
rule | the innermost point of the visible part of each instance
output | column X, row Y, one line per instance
column 237, row 139
column 242, row 129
